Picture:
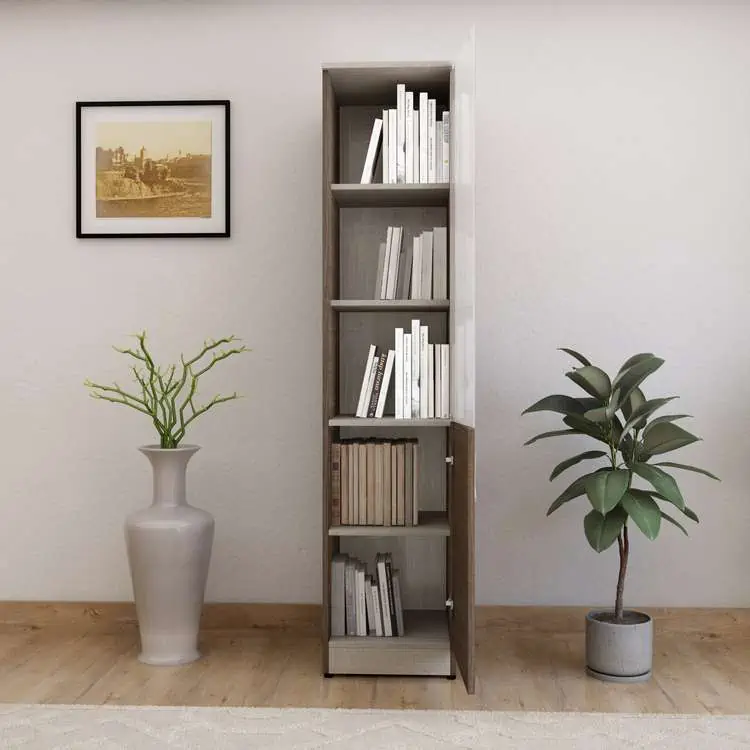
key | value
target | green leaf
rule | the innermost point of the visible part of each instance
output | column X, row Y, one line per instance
column 630, row 378
column 661, row 420
column 557, row 403
column 575, row 489
column 630, row 362
column 605, row 490
column 644, row 511
column 690, row 514
column 631, row 403
column 688, row 468
column 580, row 423
column 662, row 482
column 553, row 433
column 602, row 531
column 593, row 380
column 667, row 437
column 612, row 406
column 589, row 402
column 576, row 355
column 563, row 465
column 597, row 415
column 674, row 522
column 639, row 415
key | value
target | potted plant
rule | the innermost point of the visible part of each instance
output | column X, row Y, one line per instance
column 617, row 415
column 169, row 543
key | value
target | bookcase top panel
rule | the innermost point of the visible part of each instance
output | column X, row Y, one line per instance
column 374, row 83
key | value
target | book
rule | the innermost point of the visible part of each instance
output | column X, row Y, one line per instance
column 354, row 484
column 406, row 390
column 385, row 151
column 426, row 285
column 430, row 381
column 416, row 360
column 376, row 608
column 387, row 482
column 392, row 144
column 345, row 483
column 438, row 383
column 408, row 484
column 336, row 484
column 416, row 268
column 383, row 292
column 370, row 451
column 372, row 152
column 423, row 372
column 438, row 150
column 399, row 375
column 446, row 147
column 379, row 273
column 415, row 482
column 382, row 574
column 362, row 494
column 350, row 596
column 338, row 595
column 401, row 133
column 398, row 606
column 382, row 397
column 369, row 606
column 379, row 483
column 361, row 408
column 431, row 176
column 359, row 583
column 409, row 147
column 393, row 260
column 423, row 140
column 445, row 381
column 372, row 406
column 415, row 146
column 400, row 514
column 391, row 601
column 440, row 263
column 404, row 270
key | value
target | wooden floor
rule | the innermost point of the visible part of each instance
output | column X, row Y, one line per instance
column 527, row 659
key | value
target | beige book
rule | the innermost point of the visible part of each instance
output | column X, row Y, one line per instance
column 408, row 485
column 394, row 484
column 400, row 499
column 362, row 451
column 372, row 475
column 415, row 475
column 344, row 484
column 387, row 483
column 354, row 482
column 379, row 482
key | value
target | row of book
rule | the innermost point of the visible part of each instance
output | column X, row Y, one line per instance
column 413, row 270
column 421, row 372
column 363, row 604
column 414, row 143
column 375, row 482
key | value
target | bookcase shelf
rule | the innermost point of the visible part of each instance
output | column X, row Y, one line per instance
column 390, row 305
column 389, row 195
column 389, row 422
column 431, row 523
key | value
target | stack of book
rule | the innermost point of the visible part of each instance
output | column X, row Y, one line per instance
column 413, row 270
column 363, row 604
column 414, row 143
column 375, row 483
column 422, row 377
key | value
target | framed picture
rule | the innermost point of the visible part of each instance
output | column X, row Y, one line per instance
column 152, row 169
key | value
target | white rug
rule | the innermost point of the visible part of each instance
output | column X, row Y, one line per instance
column 144, row 728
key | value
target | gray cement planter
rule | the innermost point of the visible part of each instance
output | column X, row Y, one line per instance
column 619, row 652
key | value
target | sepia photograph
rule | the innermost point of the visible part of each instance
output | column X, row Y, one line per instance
column 153, row 169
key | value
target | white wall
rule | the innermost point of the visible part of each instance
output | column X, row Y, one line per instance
column 612, row 151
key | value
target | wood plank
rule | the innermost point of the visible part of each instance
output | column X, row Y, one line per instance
column 406, row 195
column 431, row 523
column 390, row 305
column 389, row 422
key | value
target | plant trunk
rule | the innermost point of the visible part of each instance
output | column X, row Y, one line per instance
column 624, row 547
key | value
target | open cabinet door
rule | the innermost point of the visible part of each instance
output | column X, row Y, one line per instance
column 462, row 495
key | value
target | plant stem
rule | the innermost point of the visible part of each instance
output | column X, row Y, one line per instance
column 624, row 549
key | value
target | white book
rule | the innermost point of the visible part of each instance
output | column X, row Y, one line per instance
column 386, row 383
column 361, row 405
column 426, row 285
column 430, row 381
column 423, row 128
column 431, row 175
column 415, row 146
column 445, row 380
column 401, row 132
column 409, row 168
column 370, row 606
column 438, row 151
column 385, row 151
column 372, row 153
column 392, row 144
column 386, row 265
column 371, row 382
column 383, row 589
column 406, row 394
column 403, row 287
column 416, row 268
column 361, row 601
column 423, row 373
column 438, row 386
column 350, row 590
column 398, row 233
column 378, row 293
column 338, row 595
column 416, row 359
column 440, row 263
column 399, row 367
column 446, row 147
column 376, row 609
column 396, row 582
column 415, row 480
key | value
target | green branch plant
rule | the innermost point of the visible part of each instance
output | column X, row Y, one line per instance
column 167, row 395
column 616, row 414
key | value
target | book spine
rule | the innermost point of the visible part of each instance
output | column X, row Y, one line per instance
column 377, row 611
column 415, row 145
column 379, row 274
column 391, row 600
column 445, row 380
column 404, row 279
column 430, row 381
column 387, row 482
column 384, row 598
column 401, row 484
column 438, row 383
column 431, row 176
column 393, row 143
column 440, row 263
column 361, row 602
column 401, row 132
column 438, row 150
column 415, row 482
column 386, row 263
column 371, row 383
column 338, row 596
column 426, row 285
column 362, row 455
column 408, row 484
column 345, row 484
column 416, row 360
column 446, row 147
column 379, row 481
column 385, row 151
column 369, row 606
column 394, row 484
column 353, row 484
column 397, row 602
column 372, row 153
column 423, row 373
column 372, row 407
column 393, row 263
column 416, row 268
column 391, row 356
column 336, row 484
column 424, row 119
column 351, row 608
column 409, row 122
column 399, row 365
column 365, row 381
column 407, row 376
column 372, row 475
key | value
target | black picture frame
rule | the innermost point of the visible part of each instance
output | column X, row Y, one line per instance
column 82, row 232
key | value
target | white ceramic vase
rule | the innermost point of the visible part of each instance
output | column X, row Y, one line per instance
column 169, row 550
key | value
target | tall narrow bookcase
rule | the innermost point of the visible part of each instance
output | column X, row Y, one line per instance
column 437, row 555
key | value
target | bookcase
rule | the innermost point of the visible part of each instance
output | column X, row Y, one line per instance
column 436, row 556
